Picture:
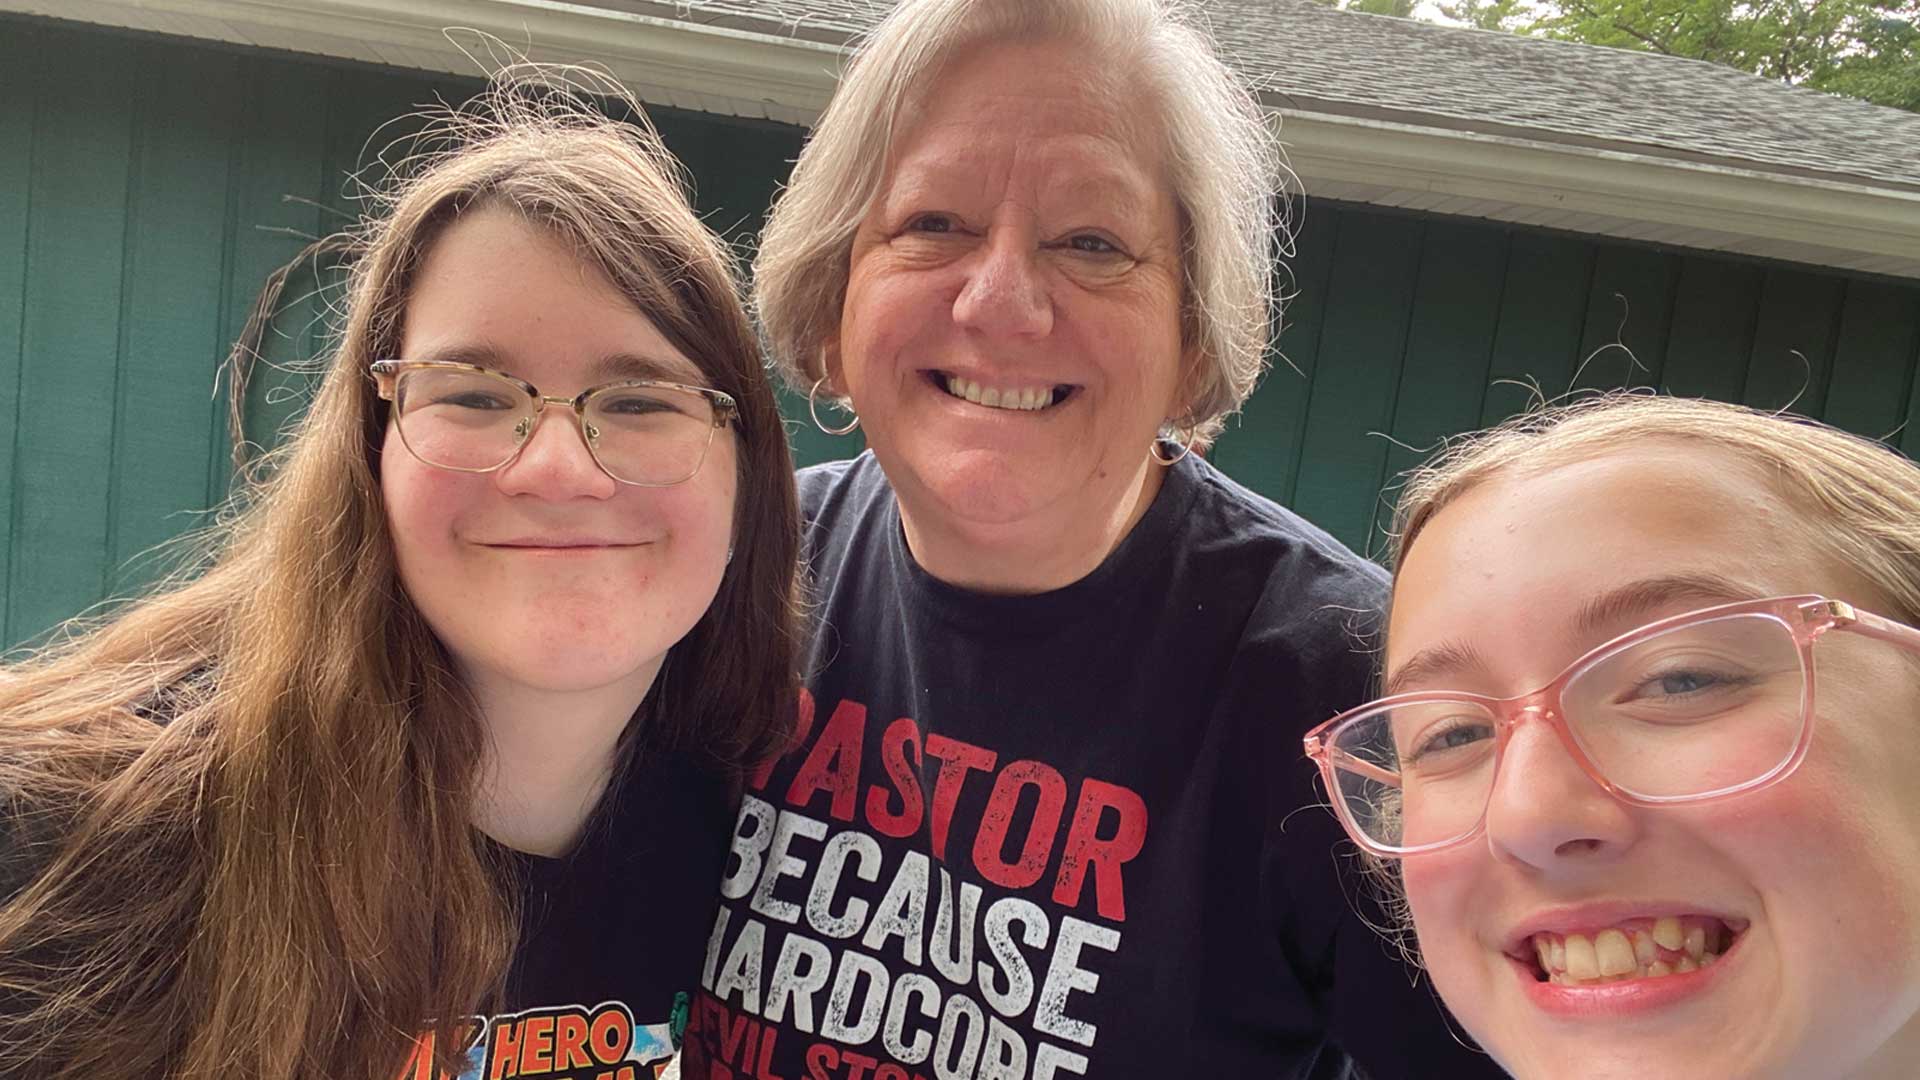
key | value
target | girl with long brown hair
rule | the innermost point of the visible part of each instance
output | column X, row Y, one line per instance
column 433, row 763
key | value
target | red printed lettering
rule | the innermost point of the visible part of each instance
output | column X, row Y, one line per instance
column 1088, row 852
column 956, row 760
column 901, row 741
column 820, row 1058
column 505, row 1051
column 570, row 1042
column 833, row 764
column 610, row 1035
column 990, row 843
column 536, row 1044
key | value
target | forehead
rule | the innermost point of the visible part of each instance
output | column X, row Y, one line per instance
column 1029, row 114
column 498, row 291
column 1517, row 560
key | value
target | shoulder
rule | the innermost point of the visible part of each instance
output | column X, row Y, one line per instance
column 1304, row 577
column 839, row 500
column 830, row 487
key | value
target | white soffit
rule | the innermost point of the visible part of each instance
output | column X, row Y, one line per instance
column 668, row 61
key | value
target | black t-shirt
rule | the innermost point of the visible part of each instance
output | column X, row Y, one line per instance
column 611, row 934
column 1070, row 834
column 611, row 937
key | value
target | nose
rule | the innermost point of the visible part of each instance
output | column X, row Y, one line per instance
column 1005, row 292
column 554, row 462
column 1547, row 813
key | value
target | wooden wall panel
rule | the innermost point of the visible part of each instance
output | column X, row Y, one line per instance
column 1714, row 313
column 1261, row 447
column 1873, row 360
column 1542, row 313
column 1793, row 341
column 18, row 104
column 172, row 339
column 1363, row 337
column 1629, row 318
column 1456, row 307
column 70, row 343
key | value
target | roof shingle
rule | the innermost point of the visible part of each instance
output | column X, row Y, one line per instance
column 1304, row 56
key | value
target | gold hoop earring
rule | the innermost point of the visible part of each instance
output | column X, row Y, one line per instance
column 1153, row 448
column 813, row 410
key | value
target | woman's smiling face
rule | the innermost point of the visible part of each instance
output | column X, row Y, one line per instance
column 1815, row 880
column 1011, row 333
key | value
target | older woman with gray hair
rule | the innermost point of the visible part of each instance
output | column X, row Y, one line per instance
column 1037, row 819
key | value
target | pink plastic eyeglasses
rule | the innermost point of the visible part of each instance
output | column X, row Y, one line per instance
column 1710, row 704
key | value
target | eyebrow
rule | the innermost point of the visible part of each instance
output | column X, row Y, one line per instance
column 1636, row 599
column 1603, row 613
column 1446, row 658
column 642, row 366
column 609, row 368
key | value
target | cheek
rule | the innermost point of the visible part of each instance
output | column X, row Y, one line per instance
column 1440, row 890
column 1832, row 853
column 420, row 503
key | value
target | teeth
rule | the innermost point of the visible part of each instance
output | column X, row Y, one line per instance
column 1615, row 953
column 1639, row 948
column 1028, row 399
column 1581, row 961
column 1667, row 933
column 1644, row 949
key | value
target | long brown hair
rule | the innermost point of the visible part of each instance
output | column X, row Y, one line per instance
column 240, row 806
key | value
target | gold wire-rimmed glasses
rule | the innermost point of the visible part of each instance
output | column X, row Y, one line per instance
column 466, row 418
column 1707, row 705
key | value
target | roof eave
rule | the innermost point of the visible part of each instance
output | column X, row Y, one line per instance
column 733, row 71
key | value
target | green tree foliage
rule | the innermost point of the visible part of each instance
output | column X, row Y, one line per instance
column 1861, row 48
column 1868, row 49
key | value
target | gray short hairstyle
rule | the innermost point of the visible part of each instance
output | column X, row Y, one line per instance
column 1225, row 163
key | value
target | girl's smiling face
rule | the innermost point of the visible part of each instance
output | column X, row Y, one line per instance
column 548, row 575
column 1819, row 874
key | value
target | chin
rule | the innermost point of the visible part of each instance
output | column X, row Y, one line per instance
column 987, row 487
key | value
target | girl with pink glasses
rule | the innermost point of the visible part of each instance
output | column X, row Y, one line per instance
column 1645, row 768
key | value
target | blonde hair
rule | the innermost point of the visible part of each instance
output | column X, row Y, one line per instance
column 244, row 801
column 1224, row 163
column 1859, row 500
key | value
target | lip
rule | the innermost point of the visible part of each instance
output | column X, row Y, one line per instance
column 936, row 380
column 558, row 544
column 1623, row 999
column 1584, row 918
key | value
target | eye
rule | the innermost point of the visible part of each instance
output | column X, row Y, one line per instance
column 1679, row 683
column 1092, row 244
column 1452, row 734
column 473, row 399
column 931, row 223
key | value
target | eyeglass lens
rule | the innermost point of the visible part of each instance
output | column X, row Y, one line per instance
column 475, row 422
column 1698, row 709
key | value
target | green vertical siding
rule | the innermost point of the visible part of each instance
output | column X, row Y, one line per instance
column 142, row 206
column 16, row 164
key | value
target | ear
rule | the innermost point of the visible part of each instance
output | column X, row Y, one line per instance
column 830, row 366
column 1186, row 391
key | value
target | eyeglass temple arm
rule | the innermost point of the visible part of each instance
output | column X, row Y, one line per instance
column 1866, row 622
column 1335, row 756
